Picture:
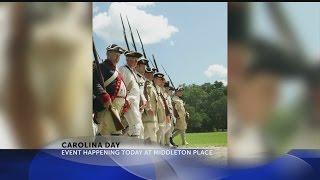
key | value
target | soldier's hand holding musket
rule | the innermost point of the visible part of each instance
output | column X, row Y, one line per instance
column 150, row 112
column 143, row 106
column 187, row 115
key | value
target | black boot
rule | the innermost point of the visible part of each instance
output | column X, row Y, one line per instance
column 171, row 142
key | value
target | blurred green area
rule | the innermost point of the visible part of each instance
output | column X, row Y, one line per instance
column 204, row 139
column 207, row 105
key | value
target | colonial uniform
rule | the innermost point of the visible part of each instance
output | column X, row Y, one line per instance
column 163, row 112
column 169, row 124
column 150, row 121
column 180, row 113
column 133, row 115
column 114, row 90
column 141, row 82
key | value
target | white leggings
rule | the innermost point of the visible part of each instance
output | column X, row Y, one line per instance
column 182, row 134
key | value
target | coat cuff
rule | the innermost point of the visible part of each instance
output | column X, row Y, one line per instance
column 106, row 97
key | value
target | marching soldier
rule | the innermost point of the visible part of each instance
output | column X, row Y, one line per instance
column 168, row 92
column 142, row 62
column 163, row 110
column 149, row 117
column 158, row 80
column 133, row 115
column 114, row 93
column 174, row 119
column 180, row 114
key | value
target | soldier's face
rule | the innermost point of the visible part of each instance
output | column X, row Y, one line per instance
column 114, row 56
column 132, row 62
column 157, row 81
column 149, row 76
column 168, row 91
column 141, row 68
column 179, row 93
column 163, row 81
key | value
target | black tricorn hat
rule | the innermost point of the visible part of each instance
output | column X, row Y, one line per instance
column 158, row 75
column 148, row 70
column 180, row 88
column 274, row 59
column 143, row 61
column 116, row 48
column 132, row 54
column 154, row 69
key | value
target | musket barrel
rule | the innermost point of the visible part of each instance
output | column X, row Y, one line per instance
column 95, row 54
column 168, row 76
column 142, row 47
column 155, row 63
column 124, row 34
column 132, row 38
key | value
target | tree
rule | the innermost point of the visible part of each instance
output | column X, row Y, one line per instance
column 207, row 105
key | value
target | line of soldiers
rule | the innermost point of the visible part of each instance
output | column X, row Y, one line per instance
column 149, row 108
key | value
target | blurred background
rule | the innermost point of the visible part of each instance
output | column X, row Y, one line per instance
column 273, row 79
column 45, row 72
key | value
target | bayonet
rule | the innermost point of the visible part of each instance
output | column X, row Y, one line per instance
column 142, row 47
column 152, row 63
column 155, row 63
column 132, row 38
column 124, row 34
column 96, row 60
column 168, row 77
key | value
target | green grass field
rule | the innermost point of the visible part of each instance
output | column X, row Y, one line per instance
column 204, row 139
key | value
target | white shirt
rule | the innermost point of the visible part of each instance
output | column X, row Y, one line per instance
column 129, row 79
column 141, row 81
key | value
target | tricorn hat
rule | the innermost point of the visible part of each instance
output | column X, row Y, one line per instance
column 180, row 88
column 158, row 75
column 143, row 61
column 171, row 88
column 148, row 70
column 154, row 69
column 116, row 48
column 132, row 54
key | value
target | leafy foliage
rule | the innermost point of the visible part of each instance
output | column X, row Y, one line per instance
column 207, row 105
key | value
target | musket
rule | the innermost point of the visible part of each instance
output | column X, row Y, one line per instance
column 155, row 63
column 124, row 34
column 152, row 63
column 101, row 80
column 168, row 77
column 132, row 38
column 115, row 117
column 159, row 93
column 142, row 47
column 283, row 26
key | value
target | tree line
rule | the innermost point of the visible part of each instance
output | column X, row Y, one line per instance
column 207, row 105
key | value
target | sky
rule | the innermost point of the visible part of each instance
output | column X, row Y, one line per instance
column 188, row 39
